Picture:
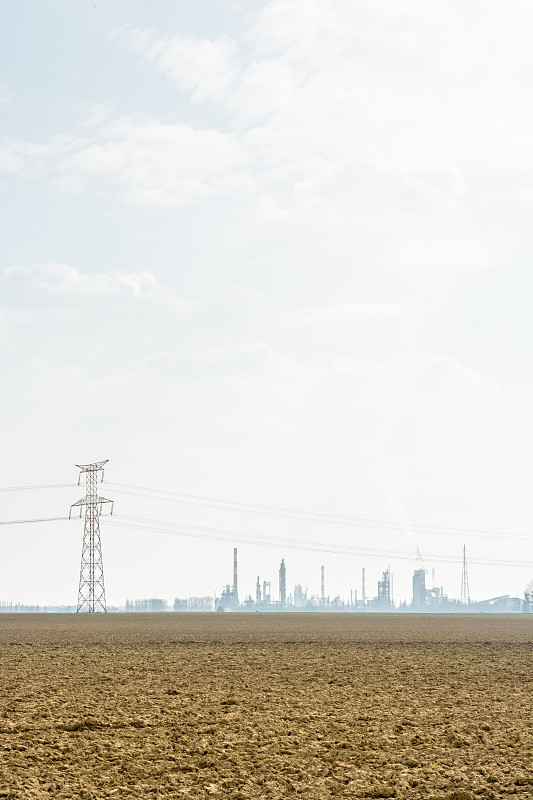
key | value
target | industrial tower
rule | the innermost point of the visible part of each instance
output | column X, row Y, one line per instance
column 465, row 591
column 229, row 601
column 282, row 584
column 419, row 588
column 385, row 592
column 91, row 592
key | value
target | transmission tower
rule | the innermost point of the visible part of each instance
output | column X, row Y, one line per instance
column 465, row 591
column 91, row 592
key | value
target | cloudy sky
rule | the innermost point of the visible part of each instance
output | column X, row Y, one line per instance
column 273, row 253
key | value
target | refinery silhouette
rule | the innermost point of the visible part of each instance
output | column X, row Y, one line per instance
column 269, row 595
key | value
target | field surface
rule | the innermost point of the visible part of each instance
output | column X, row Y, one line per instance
column 266, row 706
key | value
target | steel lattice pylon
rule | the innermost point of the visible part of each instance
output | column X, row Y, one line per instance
column 91, row 592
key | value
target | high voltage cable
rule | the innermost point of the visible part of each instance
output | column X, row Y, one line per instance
column 303, row 492
column 309, row 492
column 310, row 516
column 228, row 505
column 28, row 521
column 219, row 534
column 40, row 486
column 46, row 464
column 212, row 478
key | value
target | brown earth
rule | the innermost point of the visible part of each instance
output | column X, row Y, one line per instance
column 266, row 706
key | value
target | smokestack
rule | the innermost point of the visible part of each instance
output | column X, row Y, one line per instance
column 321, row 586
column 363, row 587
column 235, row 587
column 258, row 591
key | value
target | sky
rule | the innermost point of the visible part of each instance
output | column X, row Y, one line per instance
column 275, row 254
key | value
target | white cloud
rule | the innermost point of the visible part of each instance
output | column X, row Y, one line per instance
column 311, row 101
column 207, row 68
column 63, row 279
column 339, row 112
column 210, row 362
column 159, row 164
column 33, row 158
column 96, row 115
column 363, row 117
column 361, row 311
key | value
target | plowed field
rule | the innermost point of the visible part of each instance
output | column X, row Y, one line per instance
column 266, row 706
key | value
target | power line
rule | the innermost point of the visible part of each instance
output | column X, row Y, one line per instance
column 214, row 478
column 311, row 516
column 219, row 534
column 307, row 491
column 32, row 465
column 30, row 521
column 158, row 527
column 38, row 486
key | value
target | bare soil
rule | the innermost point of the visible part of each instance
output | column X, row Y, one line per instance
column 266, row 706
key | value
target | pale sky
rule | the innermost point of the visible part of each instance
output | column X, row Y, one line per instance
column 274, row 253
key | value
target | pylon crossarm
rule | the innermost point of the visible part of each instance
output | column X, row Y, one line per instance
column 96, row 500
column 98, row 465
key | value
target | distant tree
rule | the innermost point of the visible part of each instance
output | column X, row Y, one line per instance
column 200, row 603
column 147, row 604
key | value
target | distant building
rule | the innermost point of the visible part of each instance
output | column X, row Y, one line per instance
column 385, row 600
column 435, row 596
column 419, row 588
column 282, row 584
column 300, row 596
column 229, row 601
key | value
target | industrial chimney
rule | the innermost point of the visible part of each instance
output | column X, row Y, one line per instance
column 235, row 587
